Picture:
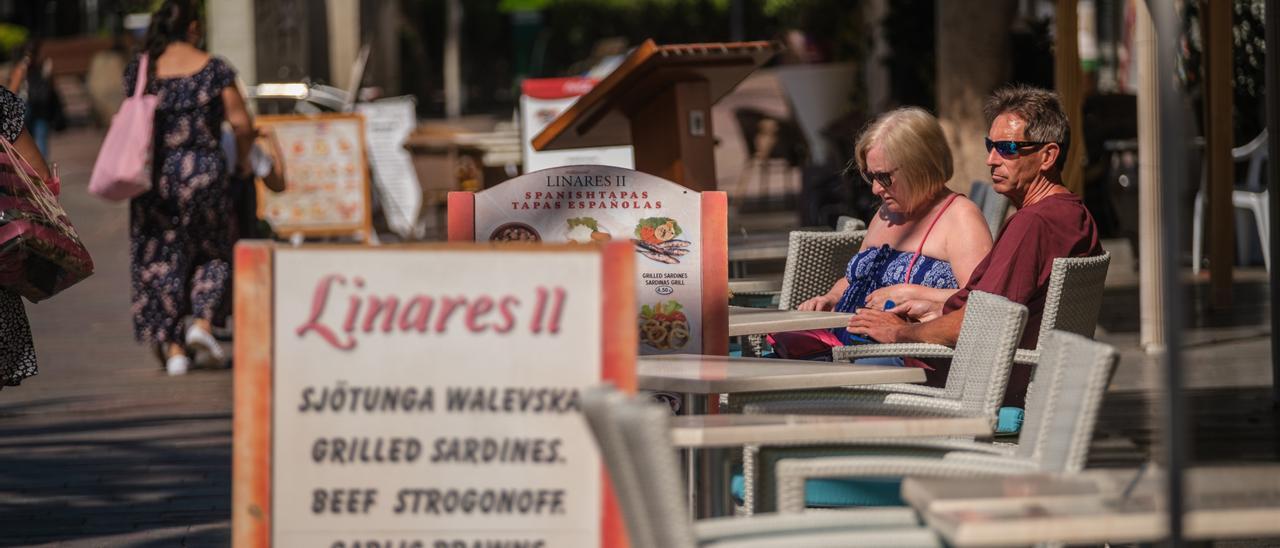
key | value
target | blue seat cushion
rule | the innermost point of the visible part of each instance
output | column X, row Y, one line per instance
column 838, row 493
column 1009, row 421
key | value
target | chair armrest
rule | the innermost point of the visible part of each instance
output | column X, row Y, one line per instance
column 915, row 350
column 771, row 524
column 1026, row 356
column 792, row 473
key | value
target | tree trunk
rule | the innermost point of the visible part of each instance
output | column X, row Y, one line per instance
column 973, row 58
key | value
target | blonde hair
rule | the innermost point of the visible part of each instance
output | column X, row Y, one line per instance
column 913, row 141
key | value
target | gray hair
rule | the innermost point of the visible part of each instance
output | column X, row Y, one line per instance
column 1040, row 108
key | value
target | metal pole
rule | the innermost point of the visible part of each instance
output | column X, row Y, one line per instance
column 1272, row 23
column 1174, row 148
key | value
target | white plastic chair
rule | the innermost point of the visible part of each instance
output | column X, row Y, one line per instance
column 1253, row 197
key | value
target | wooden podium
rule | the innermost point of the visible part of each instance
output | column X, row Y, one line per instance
column 659, row 101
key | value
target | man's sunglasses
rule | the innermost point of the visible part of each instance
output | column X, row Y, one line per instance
column 1012, row 148
column 885, row 178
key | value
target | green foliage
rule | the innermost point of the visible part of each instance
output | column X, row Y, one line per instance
column 11, row 37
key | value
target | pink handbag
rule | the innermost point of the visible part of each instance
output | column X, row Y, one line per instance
column 40, row 252
column 123, row 167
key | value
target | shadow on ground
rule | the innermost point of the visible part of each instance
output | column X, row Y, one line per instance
column 146, row 478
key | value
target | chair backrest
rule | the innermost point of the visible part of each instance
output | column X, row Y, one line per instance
column 992, row 203
column 600, row 406
column 646, row 429
column 1074, row 296
column 815, row 260
column 1254, row 152
column 984, row 353
column 846, row 223
column 1063, row 401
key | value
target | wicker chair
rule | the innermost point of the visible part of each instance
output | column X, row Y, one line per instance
column 992, row 203
column 979, row 373
column 634, row 437
column 850, row 224
column 1062, row 409
column 815, row 261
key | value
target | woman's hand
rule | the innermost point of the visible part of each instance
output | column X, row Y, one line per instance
column 821, row 303
column 898, row 293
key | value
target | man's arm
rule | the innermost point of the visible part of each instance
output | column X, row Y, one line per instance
column 887, row 327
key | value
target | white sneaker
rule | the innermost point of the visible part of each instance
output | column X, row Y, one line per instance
column 207, row 351
column 177, row 365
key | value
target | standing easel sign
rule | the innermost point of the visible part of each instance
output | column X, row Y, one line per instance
column 678, row 237
column 326, row 177
column 425, row 396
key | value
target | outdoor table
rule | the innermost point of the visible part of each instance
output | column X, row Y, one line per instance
column 697, row 378
column 1097, row 506
column 758, row 321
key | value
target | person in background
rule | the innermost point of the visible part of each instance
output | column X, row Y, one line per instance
column 17, row 352
column 183, row 229
column 32, row 78
column 923, row 241
column 1026, row 150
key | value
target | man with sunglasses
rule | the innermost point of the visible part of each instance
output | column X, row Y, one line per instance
column 1026, row 151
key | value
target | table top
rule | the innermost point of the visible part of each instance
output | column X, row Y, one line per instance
column 699, row 374
column 753, row 321
column 759, row 251
column 735, row 430
column 1223, row 502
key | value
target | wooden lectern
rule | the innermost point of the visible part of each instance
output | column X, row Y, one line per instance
column 659, row 101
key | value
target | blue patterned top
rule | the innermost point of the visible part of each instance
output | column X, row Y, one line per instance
column 877, row 267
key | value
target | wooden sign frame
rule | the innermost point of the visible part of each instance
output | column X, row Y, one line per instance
column 252, row 457
column 363, row 227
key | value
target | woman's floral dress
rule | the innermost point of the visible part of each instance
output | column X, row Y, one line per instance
column 182, row 230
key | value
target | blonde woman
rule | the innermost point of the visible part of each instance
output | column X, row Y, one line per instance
column 923, row 242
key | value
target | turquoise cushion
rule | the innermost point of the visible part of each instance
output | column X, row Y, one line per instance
column 837, row 493
column 1009, row 421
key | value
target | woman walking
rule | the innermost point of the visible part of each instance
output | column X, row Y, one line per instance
column 17, row 353
column 183, row 229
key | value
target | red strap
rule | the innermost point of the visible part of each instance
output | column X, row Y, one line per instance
column 912, row 264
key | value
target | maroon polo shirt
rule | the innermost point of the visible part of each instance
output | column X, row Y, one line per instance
column 1018, row 269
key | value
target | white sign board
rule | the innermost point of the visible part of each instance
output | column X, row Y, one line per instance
column 541, row 101
column 584, row 204
column 386, row 125
column 426, row 396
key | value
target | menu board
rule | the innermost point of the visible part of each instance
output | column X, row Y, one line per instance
column 326, row 177
column 424, row 395
column 662, row 221
column 541, row 100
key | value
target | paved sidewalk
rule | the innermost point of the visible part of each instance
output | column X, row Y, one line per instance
column 102, row 448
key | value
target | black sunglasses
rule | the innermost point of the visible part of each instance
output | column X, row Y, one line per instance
column 1012, row 148
column 885, row 178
